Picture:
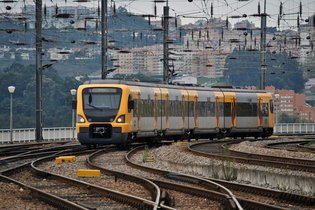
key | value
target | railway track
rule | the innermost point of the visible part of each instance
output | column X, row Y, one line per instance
column 294, row 146
column 246, row 201
column 64, row 192
column 281, row 197
column 219, row 150
column 20, row 149
column 176, row 193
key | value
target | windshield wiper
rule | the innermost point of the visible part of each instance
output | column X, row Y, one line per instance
column 99, row 108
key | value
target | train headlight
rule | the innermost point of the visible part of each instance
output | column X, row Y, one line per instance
column 121, row 119
column 80, row 119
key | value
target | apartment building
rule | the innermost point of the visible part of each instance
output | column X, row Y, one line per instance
column 291, row 103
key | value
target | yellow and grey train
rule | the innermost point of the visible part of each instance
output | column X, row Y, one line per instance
column 121, row 112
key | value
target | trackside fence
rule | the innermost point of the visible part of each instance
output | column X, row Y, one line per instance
column 28, row 134
column 294, row 129
column 68, row 133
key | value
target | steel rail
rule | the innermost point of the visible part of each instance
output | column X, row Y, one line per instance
column 295, row 198
column 263, row 160
column 112, row 194
column 232, row 199
column 149, row 185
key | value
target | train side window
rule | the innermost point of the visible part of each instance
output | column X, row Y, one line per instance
column 271, row 106
column 131, row 104
column 227, row 109
column 135, row 110
column 264, row 109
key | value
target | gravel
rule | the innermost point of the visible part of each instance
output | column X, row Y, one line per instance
column 70, row 169
column 258, row 147
column 176, row 158
column 15, row 197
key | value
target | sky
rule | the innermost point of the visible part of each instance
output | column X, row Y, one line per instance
column 200, row 8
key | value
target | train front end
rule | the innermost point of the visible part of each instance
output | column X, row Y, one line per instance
column 103, row 114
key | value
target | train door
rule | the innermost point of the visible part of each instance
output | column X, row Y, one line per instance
column 229, row 112
column 163, row 105
column 135, row 96
column 219, row 117
column 263, row 110
column 184, row 103
column 192, row 109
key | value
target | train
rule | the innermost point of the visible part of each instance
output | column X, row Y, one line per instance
column 121, row 112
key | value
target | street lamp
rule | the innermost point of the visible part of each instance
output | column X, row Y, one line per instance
column 11, row 91
column 73, row 93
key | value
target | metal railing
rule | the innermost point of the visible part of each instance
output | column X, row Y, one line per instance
column 294, row 128
column 66, row 133
column 28, row 134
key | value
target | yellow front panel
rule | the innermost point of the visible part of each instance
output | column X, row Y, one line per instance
column 123, row 110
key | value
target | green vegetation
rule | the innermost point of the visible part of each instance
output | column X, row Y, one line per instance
column 283, row 72
column 56, row 97
column 285, row 118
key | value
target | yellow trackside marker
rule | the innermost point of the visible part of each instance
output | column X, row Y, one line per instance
column 63, row 159
column 88, row 172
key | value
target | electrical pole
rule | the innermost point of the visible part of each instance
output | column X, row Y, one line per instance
column 39, row 70
column 104, row 39
column 263, row 48
column 166, row 73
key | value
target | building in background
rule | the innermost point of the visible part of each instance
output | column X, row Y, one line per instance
column 291, row 103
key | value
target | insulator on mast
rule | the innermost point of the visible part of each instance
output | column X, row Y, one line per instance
column 56, row 10
column 227, row 22
column 300, row 9
column 211, row 10
column 280, row 9
column 298, row 22
column 278, row 21
column 259, row 8
column 155, row 9
column 98, row 9
column 45, row 10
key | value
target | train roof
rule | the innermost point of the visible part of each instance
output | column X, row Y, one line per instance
column 160, row 85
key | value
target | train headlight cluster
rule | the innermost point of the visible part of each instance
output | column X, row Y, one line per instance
column 121, row 119
column 80, row 119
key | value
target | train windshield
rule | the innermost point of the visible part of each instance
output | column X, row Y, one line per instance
column 101, row 104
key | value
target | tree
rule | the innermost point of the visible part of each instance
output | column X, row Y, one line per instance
column 243, row 69
column 56, row 97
